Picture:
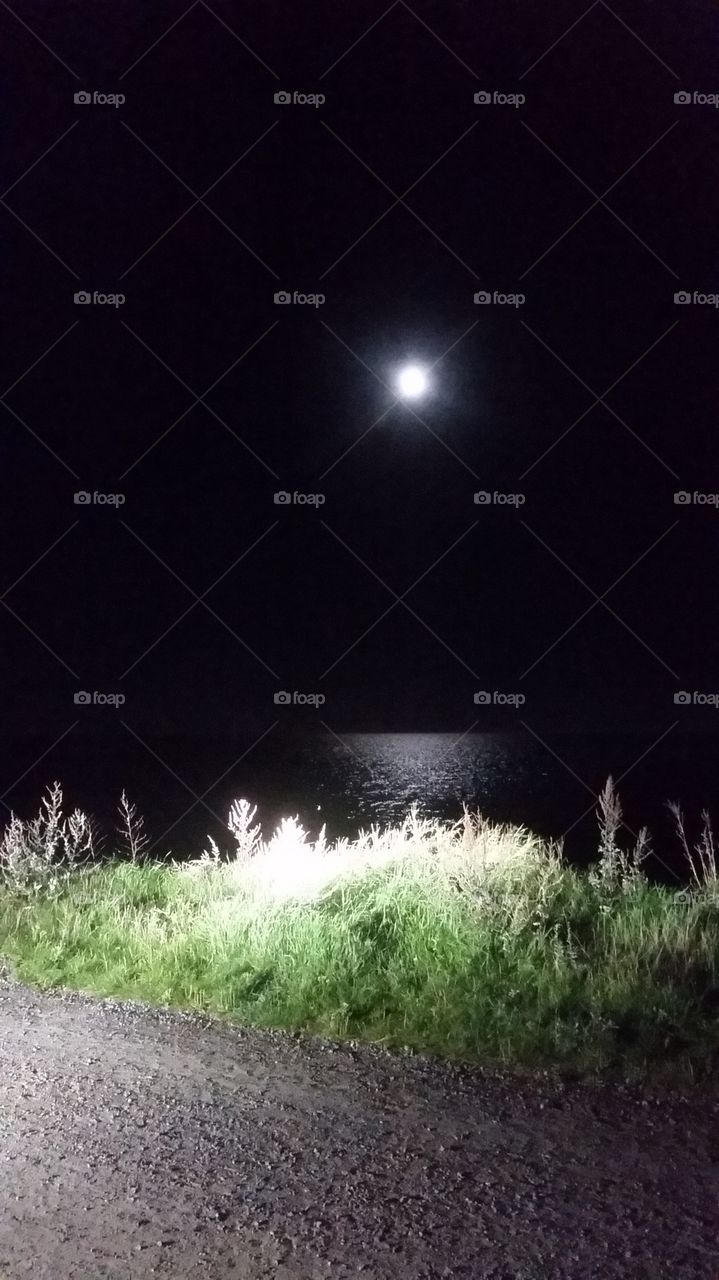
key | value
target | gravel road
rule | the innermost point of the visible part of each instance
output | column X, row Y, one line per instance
column 139, row 1142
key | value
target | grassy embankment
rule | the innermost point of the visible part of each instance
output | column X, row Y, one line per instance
column 470, row 940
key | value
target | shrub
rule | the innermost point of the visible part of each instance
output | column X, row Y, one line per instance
column 35, row 854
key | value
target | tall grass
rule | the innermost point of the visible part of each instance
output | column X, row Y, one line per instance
column 470, row 939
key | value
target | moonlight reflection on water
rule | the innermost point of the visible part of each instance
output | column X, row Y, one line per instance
column 383, row 774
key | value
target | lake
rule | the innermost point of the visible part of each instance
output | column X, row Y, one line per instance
column 184, row 786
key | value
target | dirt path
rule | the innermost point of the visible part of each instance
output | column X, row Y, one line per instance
column 137, row 1142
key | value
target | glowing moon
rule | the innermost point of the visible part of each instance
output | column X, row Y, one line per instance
column 412, row 382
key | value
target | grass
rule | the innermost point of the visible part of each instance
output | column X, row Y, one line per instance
column 467, row 940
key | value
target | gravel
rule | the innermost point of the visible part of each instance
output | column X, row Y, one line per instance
column 139, row 1142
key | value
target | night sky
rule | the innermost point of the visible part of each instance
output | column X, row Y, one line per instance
column 398, row 198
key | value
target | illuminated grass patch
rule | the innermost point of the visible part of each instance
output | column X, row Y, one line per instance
column 470, row 940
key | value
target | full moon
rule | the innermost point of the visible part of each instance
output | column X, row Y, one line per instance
column 412, row 381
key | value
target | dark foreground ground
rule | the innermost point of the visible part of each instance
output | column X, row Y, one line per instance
column 137, row 1142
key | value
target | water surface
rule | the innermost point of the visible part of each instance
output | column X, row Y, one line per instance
column 184, row 786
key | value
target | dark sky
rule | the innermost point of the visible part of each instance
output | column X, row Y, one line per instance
column 596, row 199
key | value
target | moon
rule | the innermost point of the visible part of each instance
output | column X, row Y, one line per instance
column 412, row 382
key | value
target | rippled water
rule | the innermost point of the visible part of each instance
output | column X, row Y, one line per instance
column 185, row 787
